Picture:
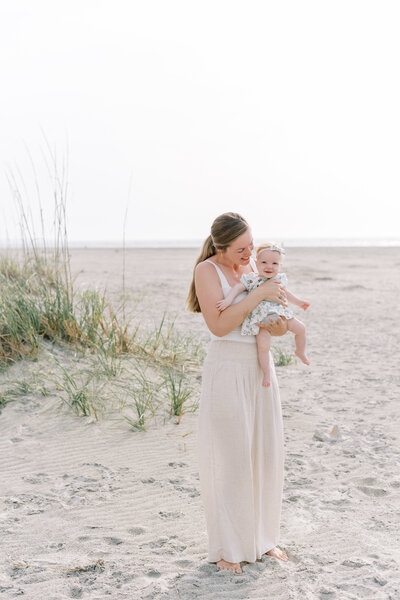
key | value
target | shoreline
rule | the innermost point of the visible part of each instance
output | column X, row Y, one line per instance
column 188, row 245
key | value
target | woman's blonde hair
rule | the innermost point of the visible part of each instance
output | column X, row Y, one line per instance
column 224, row 230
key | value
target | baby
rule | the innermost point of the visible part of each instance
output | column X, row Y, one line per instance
column 268, row 260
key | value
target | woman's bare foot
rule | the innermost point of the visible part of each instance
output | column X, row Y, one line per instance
column 278, row 553
column 302, row 357
column 224, row 565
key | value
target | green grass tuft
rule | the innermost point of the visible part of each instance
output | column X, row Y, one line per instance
column 282, row 358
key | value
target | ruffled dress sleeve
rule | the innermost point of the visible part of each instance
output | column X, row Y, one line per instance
column 249, row 281
column 283, row 279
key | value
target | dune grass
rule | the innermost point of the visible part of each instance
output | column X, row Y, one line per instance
column 39, row 303
column 179, row 392
column 35, row 306
column 282, row 357
column 35, row 303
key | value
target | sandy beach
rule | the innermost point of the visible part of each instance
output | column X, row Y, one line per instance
column 93, row 509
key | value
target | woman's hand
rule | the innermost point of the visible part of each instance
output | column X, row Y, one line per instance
column 278, row 327
column 273, row 291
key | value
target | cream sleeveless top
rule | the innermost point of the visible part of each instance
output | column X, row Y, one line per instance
column 234, row 335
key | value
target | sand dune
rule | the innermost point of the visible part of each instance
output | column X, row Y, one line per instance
column 95, row 510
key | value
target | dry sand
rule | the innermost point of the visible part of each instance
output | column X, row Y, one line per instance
column 126, row 506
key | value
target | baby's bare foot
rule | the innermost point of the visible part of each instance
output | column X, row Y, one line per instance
column 224, row 565
column 302, row 357
column 278, row 553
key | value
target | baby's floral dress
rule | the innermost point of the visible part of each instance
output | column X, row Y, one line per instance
column 260, row 312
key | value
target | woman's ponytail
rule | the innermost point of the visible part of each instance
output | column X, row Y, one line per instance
column 207, row 250
column 225, row 229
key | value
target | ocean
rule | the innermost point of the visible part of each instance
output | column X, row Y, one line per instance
column 289, row 242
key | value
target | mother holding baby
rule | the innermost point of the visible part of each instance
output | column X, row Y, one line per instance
column 240, row 430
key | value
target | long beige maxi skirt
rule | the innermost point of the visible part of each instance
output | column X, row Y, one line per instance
column 240, row 450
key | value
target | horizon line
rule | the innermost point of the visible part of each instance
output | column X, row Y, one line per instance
column 386, row 241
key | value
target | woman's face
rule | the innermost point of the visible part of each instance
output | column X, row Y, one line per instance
column 240, row 250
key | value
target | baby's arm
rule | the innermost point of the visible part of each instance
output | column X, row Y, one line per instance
column 295, row 300
column 235, row 291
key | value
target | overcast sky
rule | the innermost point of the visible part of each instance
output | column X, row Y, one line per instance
column 287, row 112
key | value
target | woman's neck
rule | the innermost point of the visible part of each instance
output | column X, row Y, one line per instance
column 229, row 265
column 225, row 263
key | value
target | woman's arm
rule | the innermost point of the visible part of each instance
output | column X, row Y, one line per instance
column 209, row 292
column 235, row 291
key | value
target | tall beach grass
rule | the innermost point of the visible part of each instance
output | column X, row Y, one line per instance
column 39, row 302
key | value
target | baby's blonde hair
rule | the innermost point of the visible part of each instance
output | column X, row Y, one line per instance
column 270, row 246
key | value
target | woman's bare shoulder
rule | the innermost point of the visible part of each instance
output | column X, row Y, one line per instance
column 206, row 275
column 204, row 267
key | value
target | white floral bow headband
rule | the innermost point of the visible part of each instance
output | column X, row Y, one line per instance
column 277, row 248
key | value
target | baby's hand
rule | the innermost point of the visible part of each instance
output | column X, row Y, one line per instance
column 304, row 305
column 222, row 305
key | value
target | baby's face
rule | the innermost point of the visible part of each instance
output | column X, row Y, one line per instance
column 268, row 263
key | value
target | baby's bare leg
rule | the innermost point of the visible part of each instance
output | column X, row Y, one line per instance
column 263, row 339
column 299, row 330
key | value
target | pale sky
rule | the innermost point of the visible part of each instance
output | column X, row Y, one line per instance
column 286, row 112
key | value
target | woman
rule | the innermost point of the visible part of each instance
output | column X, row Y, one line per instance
column 240, row 432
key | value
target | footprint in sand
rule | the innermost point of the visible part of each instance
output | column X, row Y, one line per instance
column 367, row 481
column 366, row 485
column 183, row 563
column 56, row 547
column 169, row 515
column 370, row 491
column 37, row 478
column 293, row 498
column 179, row 547
column 98, row 465
column 176, row 480
column 379, row 580
column 325, row 593
column 29, row 503
column 158, row 543
column 137, row 530
column 153, row 573
column 94, row 486
column 193, row 492
column 113, row 541
column 355, row 564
